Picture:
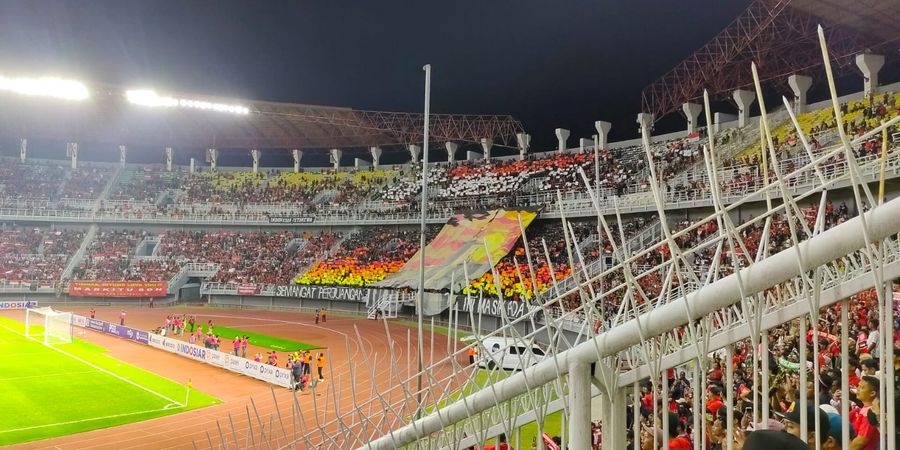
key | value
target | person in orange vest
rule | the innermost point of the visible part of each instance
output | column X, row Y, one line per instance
column 320, row 364
column 472, row 353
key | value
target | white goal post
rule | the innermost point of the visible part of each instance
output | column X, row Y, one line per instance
column 51, row 327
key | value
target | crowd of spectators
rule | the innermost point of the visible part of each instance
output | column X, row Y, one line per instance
column 109, row 256
column 35, row 255
column 515, row 264
column 86, row 182
column 216, row 187
column 30, row 181
column 144, row 184
column 859, row 116
column 783, row 397
column 311, row 189
column 245, row 257
column 365, row 258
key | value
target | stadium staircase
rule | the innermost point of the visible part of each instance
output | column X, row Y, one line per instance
column 651, row 234
column 192, row 270
column 79, row 255
column 386, row 305
column 104, row 194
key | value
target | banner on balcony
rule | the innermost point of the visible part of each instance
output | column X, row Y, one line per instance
column 491, row 307
column 249, row 289
column 474, row 240
column 339, row 293
column 291, row 219
column 119, row 289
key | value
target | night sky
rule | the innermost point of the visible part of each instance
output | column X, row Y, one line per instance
column 548, row 63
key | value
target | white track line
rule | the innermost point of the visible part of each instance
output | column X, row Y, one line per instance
column 99, row 368
column 46, row 375
column 84, row 420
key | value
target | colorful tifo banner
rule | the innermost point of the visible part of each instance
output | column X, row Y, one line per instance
column 264, row 372
column 462, row 241
column 117, row 330
column 119, row 289
column 18, row 304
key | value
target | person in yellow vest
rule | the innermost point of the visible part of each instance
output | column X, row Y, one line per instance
column 320, row 364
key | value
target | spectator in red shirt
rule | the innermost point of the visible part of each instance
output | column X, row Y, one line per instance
column 501, row 444
column 715, row 399
column 867, row 434
column 678, row 439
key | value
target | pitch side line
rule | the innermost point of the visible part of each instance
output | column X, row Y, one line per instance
column 98, row 368
column 47, row 375
column 86, row 420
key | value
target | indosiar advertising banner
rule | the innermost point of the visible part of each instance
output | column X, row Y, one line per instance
column 263, row 372
column 18, row 304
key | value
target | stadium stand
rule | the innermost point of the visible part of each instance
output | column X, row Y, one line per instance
column 35, row 255
column 30, row 181
column 144, row 184
column 365, row 258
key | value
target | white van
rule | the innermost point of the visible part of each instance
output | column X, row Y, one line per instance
column 509, row 354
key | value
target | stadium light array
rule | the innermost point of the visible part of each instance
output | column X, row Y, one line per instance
column 149, row 97
column 45, row 87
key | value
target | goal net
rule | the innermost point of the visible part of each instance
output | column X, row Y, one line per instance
column 49, row 326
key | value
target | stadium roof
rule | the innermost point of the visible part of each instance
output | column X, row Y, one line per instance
column 108, row 117
column 780, row 36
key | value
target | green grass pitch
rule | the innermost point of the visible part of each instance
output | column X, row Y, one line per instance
column 261, row 340
column 51, row 391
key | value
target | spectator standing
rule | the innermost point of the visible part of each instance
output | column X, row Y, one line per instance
column 323, row 316
column 122, row 318
column 244, row 343
column 501, row 444
column 236, row 344
column 297, row 373
column 867, row 434
column 151, row 302
column 317, row 317
column 93, row 313
column 320, row 365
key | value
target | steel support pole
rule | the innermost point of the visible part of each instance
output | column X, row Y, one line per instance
column 845, row 373
column 729, row 397
column 764, row 392
column 698, row 407
column 579, row 406
column 888, row 369
column 636, row 414
column 664, row 382
column 803, row 402
column 424, row 209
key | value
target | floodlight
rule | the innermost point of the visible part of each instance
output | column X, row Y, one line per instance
column 45, row 87
column 149, row 97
